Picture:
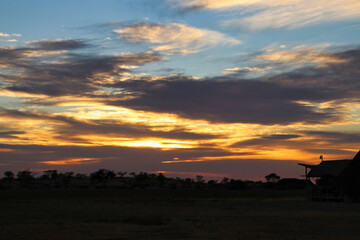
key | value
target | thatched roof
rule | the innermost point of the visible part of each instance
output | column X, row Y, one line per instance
column 353, row 169
column 335, row 168
column 329, row 168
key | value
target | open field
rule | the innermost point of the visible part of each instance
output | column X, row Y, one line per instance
column 173, row 214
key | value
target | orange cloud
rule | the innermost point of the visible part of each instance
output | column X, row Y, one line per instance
column 6, row 150
column 72, row 161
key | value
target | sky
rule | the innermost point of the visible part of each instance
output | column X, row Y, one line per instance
column 219, row 88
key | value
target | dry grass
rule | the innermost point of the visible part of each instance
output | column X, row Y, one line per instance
column 181, row 214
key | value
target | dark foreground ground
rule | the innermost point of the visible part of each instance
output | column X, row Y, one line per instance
column 173, row 214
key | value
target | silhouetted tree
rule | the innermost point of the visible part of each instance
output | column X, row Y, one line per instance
column 51, row 174
column 161, row 179
column 80, row 176
column 200, row 179
column 102, row 175
column 52, row 178
column 237, row 184
column 25, row 177
column 81, row 180
column 212, row 183
column 272, row 178
column 188, row 183
column 121, row 174
column 66, row 178
column 9, row 176
column 142, row 180
column 225, row 180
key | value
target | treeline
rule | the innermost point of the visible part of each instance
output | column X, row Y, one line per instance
column 104, row 178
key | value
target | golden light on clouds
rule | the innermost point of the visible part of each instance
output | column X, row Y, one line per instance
column 275, row 154
column 37, row 53
column 44, row 131
column 219, row 85
column 250, row 69
column 277, row 14
column 163, row 144
column 278, row 154
column 47, row 127
column 299, row 56
column 206, row 159
column 174, row 37
column 7, row 93
column 7, row 150
column 71, row 161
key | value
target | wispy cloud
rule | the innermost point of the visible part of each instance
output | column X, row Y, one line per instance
column 263, row 14
column 49, row 67
column 213, row 4
column 294, row 57
column 325, row 142
column 174, row 38
column 8, row 35
column 57, row 44
column 8, row 40
column 71, row 161
column 239, row 70
column 70, row 130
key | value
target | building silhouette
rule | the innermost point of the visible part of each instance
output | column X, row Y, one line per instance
column 335, row 180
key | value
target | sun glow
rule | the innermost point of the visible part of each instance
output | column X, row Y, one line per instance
column 43, row 127
column 163, row 144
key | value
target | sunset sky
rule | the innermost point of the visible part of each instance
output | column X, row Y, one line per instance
column 221, row 88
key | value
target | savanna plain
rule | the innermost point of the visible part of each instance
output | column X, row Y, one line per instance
column 173, row 214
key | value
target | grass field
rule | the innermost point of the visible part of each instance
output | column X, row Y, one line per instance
column 173, row 214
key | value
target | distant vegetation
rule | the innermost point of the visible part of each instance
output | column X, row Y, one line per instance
column 104, row 178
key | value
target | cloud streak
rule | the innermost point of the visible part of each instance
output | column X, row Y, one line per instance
column 72, row 129
column 7, row 35
column 174, row 38
column 47, row 68
column 277, row 14
column 299, row 55
column 229, row 101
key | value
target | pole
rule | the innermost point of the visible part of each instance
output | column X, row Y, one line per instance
column 307, row 184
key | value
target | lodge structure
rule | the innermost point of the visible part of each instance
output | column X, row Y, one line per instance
column 335, row 180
